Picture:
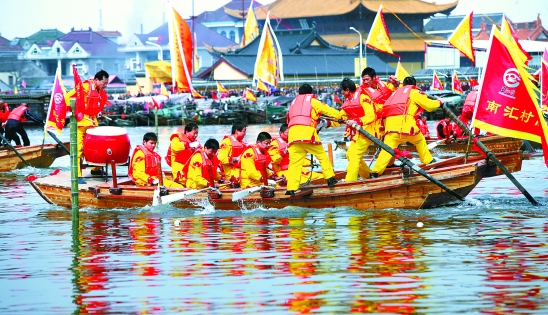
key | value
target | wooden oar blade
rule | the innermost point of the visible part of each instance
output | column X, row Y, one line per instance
column 156, row 199
column 178, row 196
column 244, row 193
column 432, row 145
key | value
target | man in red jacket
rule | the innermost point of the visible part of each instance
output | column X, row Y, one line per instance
column 13, row 124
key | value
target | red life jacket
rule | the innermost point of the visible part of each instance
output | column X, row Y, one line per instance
column 282, row 146
column 398, row 103
column 423, row 127
column 184, row 155
column 300, row 111
column 379, row 95
column 261, row 162
column 446, row 127
column 353, row 107
column 18, row 113
column 4, row 114
column 96, row 100
column 470, row 99
column 209, row 167
column 237, row 147
column 151, row 162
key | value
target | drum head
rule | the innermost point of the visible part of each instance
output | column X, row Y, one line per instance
column 106, row 131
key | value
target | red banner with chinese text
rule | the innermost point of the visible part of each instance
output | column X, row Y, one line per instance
column 507, row 104
column 57, row 111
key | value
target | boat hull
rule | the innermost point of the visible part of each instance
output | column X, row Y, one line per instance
column 34, row 155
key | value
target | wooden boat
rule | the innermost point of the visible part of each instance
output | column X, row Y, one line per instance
column 495, row 144
column 34, row 155
column 392, row 190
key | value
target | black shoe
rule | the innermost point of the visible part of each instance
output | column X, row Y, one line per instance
column 374, row 175
column 98, row 172
column 81, row 181
column 331, row 182
column 433, row 161
column 290, row 193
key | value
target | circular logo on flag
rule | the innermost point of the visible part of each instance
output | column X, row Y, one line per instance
column 511, row 77
column 57, row 98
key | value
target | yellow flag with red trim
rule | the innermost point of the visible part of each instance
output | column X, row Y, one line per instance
column 461, row 38
column 262, row 86
column 195, row 94
column 378, row 37
column 180, row 41
column 401, row 73
column 221, row 88
column 507, row 103
column 251, row 27
column 250, row 96
column 508, row 32
column 269, row 62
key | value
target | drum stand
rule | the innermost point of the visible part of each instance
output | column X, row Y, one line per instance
column 115, row 190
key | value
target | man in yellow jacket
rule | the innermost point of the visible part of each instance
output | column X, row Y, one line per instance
column 94, row 101
column 202, row 170
column 255, row 161
column 303, row 115
column 280, row 157
column 144, row 165
column 399, row 111
column 230, row 151
column 182, row 146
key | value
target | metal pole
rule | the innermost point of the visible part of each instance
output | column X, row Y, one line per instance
column 361, row 44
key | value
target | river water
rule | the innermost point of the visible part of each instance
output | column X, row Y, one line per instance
column 487, row 255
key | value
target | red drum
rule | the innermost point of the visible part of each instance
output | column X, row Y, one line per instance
column 102, row 144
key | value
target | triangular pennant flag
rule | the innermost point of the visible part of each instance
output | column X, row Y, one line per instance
column 251, row 27
column 401, row 73
column 508, row 33
column 269, row 62
column 250, row 96
column 156, row 106
column 180, row 39
column 163, row 90
column 221, row 88
column 196, row 94
column 457, row 88
column 507, row 104
column 261, row 86
column 79, row 94
column 436, row 83
column 378, row 37
column 461, row 38
column 336, row 99
column 57, row 110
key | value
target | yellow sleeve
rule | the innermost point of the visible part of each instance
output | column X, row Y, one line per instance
column 195, row 171
column 320, row 108
column 138, row 162
column 68, row 96
column 248, row 165
column 176, row 145
column 368, row 109
column 225, row 150
column 423, row 101
column 274, row 152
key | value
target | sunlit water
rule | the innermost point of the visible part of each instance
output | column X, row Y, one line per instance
column 487, row 255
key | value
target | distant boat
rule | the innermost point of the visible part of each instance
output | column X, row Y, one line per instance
column 34, row 155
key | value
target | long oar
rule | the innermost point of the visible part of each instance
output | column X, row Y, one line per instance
column 491, row 156
column 246, row 192
column 14, row 150
column 407, row 162
column 162, row 200
column 58, row 141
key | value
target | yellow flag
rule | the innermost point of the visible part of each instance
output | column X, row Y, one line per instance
column 261, row 86
column 180, row 41
column 401, row 73
column 250, row 96
column 378, row 37
column 15, row 90
column 251, row 27
column 269, row 63
column 221, row 88
column 461, row 38
column 508, row 32
column 163, row 90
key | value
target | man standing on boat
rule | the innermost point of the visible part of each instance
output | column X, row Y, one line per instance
column 280, row 157
column 14, row 124
column 358, row 110
column 302, row 118
column 232, row 147
column 202, row 170
column 94, row 101
column 399, row 111
column 144, row 165
column 181, row 147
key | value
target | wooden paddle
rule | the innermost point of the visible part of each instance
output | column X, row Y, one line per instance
column 407, row 162
column 432, row 145
column 246, row 192
column 491, row 156
column 162, row 200
column 14, row 150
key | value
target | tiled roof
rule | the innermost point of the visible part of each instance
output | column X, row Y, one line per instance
column 203, row 35
column 109, row 33
column 450, row 23
column 45, row 35
column 287, row 9
column 401, row 42
column 91, row 42
column 4, row 41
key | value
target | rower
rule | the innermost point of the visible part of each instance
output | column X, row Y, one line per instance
column 182, row 146
column 232, row 147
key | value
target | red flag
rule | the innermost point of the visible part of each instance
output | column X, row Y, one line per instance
column 214, row 96
column 473, row 82
column 57, row 111
column 457, row 88
column 436, row 83
column 336, row 99
column 155, row 103
column 544, row 82
column 507, row 103
column 79, row 95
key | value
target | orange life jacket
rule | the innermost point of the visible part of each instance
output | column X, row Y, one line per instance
column 353, row 107
column 379, row 95
column 96, row 100
column 237, row 147
column 184, row 155
column 300, row 111
column 209, row 167
column 261, row 162
column 282, row 147
column 470, row 99
column 18, row 113
column 398, row 103
column 152, row 159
